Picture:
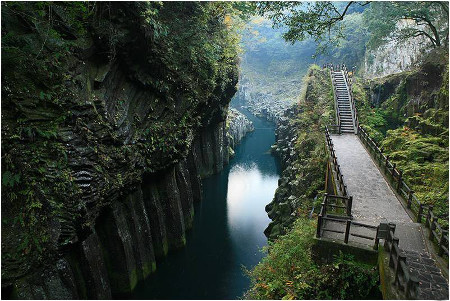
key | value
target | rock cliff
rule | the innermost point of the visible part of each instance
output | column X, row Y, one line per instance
column 300, row 146
column 107, row 129
column 394, row 56
column 238, row 126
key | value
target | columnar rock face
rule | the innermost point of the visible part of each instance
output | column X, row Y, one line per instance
column 282, row 208
column 131, row 234
column 110, row 150
column 238, row 126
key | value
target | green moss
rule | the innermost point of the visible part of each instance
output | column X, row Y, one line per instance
column 133, row 280
column 147, row 268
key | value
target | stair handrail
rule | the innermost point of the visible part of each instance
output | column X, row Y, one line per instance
column 336, row 104
column 348, row 84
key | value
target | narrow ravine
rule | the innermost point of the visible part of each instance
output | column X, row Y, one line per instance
column 228, row 227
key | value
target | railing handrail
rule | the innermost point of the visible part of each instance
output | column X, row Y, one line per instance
column 341, row 184
column 348, row 84
column 336, row 105
column 420, row 210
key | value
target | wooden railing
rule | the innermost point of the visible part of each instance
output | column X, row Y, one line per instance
column 333, row 159
column 337, row 206
column 335, row 213
column 438, row 234
column 406, row 283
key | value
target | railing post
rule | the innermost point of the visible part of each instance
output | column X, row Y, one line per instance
column 432, row 227
column 377, row 239
column 428, row 220
column 347, row 231
column 419, row 214
column 393, row 171
column 319, row 225
column 349, row 205
column 389, row 236
column 400, row 258
column 399, row 184
column 386, row 164
column 410, row 196
column 441, row 242
column 391, row 256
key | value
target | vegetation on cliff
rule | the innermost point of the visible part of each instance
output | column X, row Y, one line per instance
column 301, row 147
column 93, row 96
column 288, row 272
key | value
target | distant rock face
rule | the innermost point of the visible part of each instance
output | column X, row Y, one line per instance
column 394, row 56
column 238, row 125
column 261, row 104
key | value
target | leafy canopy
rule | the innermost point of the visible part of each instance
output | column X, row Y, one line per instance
column 322, row 20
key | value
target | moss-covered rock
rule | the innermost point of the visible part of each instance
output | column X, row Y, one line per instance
column 300, row 146
column 95, row 96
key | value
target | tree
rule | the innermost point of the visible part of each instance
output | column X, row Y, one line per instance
column 322, row 20
column 423, row 18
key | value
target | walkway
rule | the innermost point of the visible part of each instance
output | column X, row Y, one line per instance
column 375, row 202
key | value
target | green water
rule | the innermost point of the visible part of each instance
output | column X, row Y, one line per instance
column 228, row 227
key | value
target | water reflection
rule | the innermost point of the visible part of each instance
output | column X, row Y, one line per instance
column 249, row 190
column 228, row 228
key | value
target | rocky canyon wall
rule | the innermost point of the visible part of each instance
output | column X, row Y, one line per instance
column 105, row 139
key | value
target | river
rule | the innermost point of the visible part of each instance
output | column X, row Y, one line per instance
column 227, row 234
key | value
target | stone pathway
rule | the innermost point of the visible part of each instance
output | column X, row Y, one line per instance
column 375, row 202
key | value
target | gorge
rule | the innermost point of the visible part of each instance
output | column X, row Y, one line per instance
column 176, row 150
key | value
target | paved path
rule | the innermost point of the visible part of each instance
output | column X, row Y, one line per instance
column 375, row 202
column 373, row 199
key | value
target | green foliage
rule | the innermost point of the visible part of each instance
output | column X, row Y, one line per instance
column 289, row 272
column 307, row 19
column 424, row 161
column 306, row 176
column 50, row 105
column 9, row 179
column 423, row 18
